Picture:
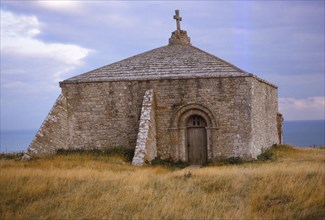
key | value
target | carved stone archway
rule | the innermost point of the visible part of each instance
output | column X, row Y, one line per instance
column 178, row 129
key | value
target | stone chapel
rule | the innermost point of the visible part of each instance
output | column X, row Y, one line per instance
column 175, row 101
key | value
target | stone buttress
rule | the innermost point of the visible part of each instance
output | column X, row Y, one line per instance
column 146, row 147
column 53, row 133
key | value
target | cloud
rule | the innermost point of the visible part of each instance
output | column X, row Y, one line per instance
column 268, row 37
column 312, row 108
column 60, row 5
column 31, row 69
column 13, row 26
column 18, row 36
column 19, row 43
column 29, row 48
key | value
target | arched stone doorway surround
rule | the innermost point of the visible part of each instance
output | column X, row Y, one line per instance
column 178, row 129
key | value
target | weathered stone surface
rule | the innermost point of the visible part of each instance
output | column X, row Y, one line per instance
column 53, row 134
column 241, row 114
column 264, row 117
column 168, row 62
column 179, row 37
column 146, row 148
column 26, row 157
column 239, row 124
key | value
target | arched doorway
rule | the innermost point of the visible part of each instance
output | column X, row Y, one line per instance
column 196, row 140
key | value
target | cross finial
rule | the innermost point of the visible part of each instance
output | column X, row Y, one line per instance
column 178, row 19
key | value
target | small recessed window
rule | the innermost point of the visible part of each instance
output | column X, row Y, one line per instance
column 196, row 121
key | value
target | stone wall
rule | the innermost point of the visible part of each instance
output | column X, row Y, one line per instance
column 104, row 114
column 223, row 102
column 53, row 134
column 264, row 115
column 107, row 114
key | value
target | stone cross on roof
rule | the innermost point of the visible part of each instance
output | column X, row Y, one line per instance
column 178, row 19
column 179, row 37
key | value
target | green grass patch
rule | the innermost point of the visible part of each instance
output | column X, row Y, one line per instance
column 266, row 155
column 270, row 154
column 126, row 153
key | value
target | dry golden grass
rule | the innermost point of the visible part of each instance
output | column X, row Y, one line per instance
column 81, row 187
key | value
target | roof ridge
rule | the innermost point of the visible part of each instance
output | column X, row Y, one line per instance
column 134, row 56
column 128, row 58
column 218, row 58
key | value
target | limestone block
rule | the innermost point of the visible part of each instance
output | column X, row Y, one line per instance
column 146, row 148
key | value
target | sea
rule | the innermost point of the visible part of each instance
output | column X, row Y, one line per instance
column 297, row 133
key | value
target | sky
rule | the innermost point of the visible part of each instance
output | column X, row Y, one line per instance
column 45, row 42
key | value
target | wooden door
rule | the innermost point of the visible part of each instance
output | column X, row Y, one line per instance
column 196, row 140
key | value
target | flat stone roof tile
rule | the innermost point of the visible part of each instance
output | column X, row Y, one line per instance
column 168, row 62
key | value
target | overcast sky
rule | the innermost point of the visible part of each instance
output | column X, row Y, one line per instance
column 44, row 42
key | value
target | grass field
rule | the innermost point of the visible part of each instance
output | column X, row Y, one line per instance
column 84, row 186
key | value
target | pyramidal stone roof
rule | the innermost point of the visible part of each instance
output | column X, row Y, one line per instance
column 178, row 60
column 168, row 62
